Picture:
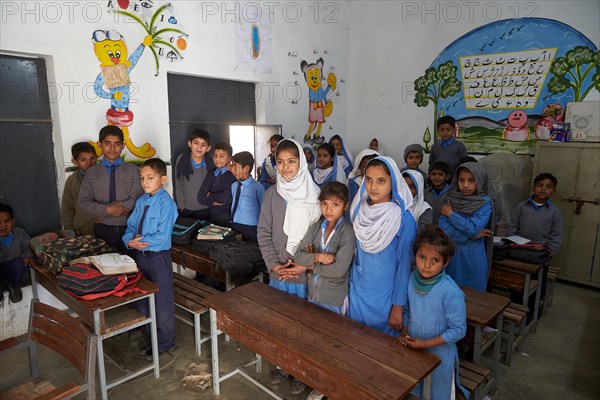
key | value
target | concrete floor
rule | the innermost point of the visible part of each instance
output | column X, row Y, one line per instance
column 560, row 361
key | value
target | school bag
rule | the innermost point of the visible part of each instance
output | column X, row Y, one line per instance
column 204, row 245
column 533, row 253
column 185, row 229
column 57, row 254
column 87, row 283
column 243, row 260
column 37, row 243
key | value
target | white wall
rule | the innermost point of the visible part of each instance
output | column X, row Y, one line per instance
column 392, row 43
column 61, row 32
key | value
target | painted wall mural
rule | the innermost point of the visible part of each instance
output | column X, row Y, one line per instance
column 508, row 83
column 319, row 104
column 165, row 41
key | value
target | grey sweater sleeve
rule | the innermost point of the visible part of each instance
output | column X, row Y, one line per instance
column 87, row 201
column 425, row 219
column 265, row 232
column 555, row 235
column 179, row 196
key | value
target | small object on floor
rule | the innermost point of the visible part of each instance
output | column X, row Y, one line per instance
column 297, row 387
column 278, row 376
column 525, row 354
column 315, row 395
column 489, row 329
column 148, row 354
column 15, row 295
column 197, row 378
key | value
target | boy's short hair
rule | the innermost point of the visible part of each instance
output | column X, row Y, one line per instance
column 200, row 134
column 545, row 175
column 334, row 189
column 244, row 158
column 446, row 119
column 7, row 209
column 278, row 138
column 111, row 130
column 226, row 147
column 82, row 147
column 157, row 166
column 413, row 148
column 440, row 166
column 435, row 237
column 328, row 148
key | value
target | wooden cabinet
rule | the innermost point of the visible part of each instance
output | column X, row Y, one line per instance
column 577, row 167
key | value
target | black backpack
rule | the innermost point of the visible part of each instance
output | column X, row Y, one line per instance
column 243, row 260
column 185, row 229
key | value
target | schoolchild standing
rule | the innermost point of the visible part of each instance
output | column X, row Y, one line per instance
column 343, row 154
column 110, row 189
column 385, row 230
column 466, row 218
column 448, row 149
column 268, row 169
column 355, row 179
column 437, row 316
column 328, row 167
column 191, row 168
column 435, row 194
column 289, row 208
column 149, row 230
column 247, row 197
column 420, row 209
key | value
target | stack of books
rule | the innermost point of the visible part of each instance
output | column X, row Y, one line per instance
column 113, row 263
column 213, row 232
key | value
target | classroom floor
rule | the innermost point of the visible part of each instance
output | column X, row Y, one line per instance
column 560, row 361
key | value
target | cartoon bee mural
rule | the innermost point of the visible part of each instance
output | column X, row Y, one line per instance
column 319, row 106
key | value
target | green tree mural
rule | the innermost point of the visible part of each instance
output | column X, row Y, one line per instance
column 437, row 83
column 571, row 70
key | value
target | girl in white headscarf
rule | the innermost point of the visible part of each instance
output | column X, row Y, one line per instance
column 355, row 178
column 385, row 230
column 420, row 209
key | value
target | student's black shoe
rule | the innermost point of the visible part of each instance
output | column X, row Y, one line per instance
column 15, row 295
column 148, row 354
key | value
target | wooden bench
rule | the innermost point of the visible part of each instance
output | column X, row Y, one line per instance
column 550, row 286
column 190, row 296
column 475, row 378
column 514, row 329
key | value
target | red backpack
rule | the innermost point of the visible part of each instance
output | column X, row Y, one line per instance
column 86, row 282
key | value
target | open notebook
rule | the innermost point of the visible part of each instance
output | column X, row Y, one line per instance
column 514, row 239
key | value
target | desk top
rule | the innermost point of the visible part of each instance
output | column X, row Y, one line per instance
column 515, row 265
column 333, row 354
column 85, row 308
column 483, row 307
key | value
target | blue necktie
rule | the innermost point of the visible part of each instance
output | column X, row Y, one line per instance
column 112, row 189
column 141, row 224
column 237, row 199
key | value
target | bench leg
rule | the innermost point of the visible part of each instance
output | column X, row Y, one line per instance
column 197, row 334
column 477, row 344
column 427, row 387
column 510, row 336
column 214, row 343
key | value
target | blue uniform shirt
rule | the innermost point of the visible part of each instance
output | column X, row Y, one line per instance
column 250, row 201
column 158, row 222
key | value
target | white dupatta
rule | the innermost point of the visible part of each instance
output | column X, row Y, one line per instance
column 302, row 196
column 375, row 226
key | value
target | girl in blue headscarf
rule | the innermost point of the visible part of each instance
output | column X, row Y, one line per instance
column 328, row 169
column 343, row 154
column 385, row 230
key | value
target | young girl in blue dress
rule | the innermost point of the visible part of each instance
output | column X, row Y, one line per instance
column 328, row 169
column 355, row 178
column 466, row 219
column 343, row 154
column 268, row 168
column 437, row 316
column 385, row 231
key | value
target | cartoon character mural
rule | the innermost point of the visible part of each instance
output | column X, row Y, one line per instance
column 490, row 76
column 115, row 65
column 319, row 106
column 517, row 130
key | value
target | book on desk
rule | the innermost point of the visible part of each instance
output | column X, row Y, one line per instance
column 110, row 263
column 213, row 232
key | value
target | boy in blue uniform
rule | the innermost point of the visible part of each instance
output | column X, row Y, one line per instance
column 84, row 157
column 247, row 194
column 413, row 157
column 215, row 192
column 15, row 255
column 149, row 231
column 447, row 149
column 110, row 189
column 191, row 168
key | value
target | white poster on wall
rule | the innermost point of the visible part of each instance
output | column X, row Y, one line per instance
column 252, row 40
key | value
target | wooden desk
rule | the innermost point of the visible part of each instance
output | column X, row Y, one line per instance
column 99, row 318
column 334, row 355
column 185, row 257
column 521, row 277
column 482, row 309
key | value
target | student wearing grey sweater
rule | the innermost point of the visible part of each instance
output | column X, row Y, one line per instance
column 110, row 189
